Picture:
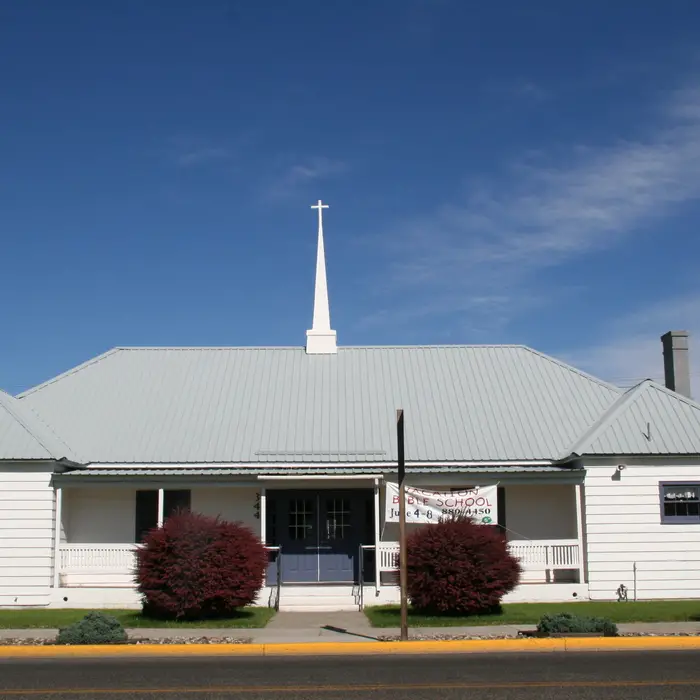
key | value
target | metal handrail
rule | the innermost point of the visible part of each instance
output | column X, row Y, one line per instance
column 361, row 557
column 364, row 547
column 279, row 574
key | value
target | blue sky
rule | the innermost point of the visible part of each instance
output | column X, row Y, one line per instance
column 499, row 172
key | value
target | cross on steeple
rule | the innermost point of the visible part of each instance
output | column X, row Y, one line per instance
column 320, row 206
column 321, row 340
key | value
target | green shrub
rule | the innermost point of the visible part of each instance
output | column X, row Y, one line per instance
column 94, row 628
column 565, row 623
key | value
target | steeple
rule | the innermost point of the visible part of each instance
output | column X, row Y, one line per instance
column 321, row 340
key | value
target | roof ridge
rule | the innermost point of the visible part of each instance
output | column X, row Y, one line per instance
column 7, row 403
column 67, row 373
column 580, row 372
column 606, row 418
column 669, row 392
column 340, row 347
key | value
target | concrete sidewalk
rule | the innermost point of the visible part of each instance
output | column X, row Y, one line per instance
column 348, row 627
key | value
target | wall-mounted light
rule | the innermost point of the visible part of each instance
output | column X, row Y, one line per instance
column 617, row 474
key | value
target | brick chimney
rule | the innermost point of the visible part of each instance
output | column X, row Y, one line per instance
column 676, row 363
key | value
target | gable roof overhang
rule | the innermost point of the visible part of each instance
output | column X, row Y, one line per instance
column 648, row 419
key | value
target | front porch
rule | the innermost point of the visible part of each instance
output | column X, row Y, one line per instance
column 322, row 535
column 112, row 566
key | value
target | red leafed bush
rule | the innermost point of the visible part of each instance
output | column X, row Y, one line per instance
column 458, row 567
column 198, row 567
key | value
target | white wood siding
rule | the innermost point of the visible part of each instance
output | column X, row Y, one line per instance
column 624, row 528
column 106, row 515
column 533, row 512
column 546, row 512
column 99, row 514
column 26, row 534
column 234, row 504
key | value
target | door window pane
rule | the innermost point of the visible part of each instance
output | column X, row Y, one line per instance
column 337, row 518
column 301, row 516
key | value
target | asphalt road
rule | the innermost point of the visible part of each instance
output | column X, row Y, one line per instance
column 600, row 676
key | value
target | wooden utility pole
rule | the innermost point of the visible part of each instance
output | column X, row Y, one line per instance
column 403, row 565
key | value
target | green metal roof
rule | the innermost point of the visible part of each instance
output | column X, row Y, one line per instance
column 266, row 406
column 280, row 405
column 648, row 419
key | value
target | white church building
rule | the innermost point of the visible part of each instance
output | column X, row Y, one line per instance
column 594, row 486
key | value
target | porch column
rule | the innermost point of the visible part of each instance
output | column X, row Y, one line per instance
column 161, row 507
column 263, row 515
column 58, row 517
column 579, row 531
column 377, row 576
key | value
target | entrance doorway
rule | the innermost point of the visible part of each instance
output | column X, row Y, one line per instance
column 319, row 533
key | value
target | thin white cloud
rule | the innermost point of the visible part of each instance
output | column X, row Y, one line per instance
column 197, row 156
column 544, row 215
column 302, row 173
column 531, row 91
column 186, row 151
column 632, row 350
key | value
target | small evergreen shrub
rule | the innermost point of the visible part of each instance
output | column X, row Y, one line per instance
column 459, row 567
column 94, row 628
column 567, row 623
column 198, row 567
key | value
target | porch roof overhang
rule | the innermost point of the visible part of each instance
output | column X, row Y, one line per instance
column 246, row 475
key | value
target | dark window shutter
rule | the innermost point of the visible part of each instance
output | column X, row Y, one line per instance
column 146, row 513
column 501, row 499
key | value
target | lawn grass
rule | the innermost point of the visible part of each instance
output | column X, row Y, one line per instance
column 530, row 613
column 247, row 618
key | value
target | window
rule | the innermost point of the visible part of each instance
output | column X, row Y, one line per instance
column 147, row 508
column 301, row 515
column 337, row 518
column 680, row 503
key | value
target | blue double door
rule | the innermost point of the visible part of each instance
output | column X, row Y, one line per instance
column 319, row 533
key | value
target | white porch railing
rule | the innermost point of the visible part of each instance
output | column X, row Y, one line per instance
column 546, row 554
column 112, row 565
column 83, row 558
column 537, row 557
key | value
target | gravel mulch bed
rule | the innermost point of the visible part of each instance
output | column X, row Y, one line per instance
column 465, row 637
column 133, row 642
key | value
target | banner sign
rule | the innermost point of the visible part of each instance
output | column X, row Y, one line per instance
column 479, row 503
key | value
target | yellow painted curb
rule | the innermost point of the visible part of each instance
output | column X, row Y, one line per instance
column 130, row 650
column 425, row 647
column 630, row 643
column 493, row 646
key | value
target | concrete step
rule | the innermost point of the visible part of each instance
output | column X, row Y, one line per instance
column 310, row 606
column 318, row 590
column 318, row 598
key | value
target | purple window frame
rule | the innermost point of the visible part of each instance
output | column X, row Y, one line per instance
column 677, row 519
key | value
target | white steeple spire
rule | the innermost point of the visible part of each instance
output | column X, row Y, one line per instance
column 321, row 340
